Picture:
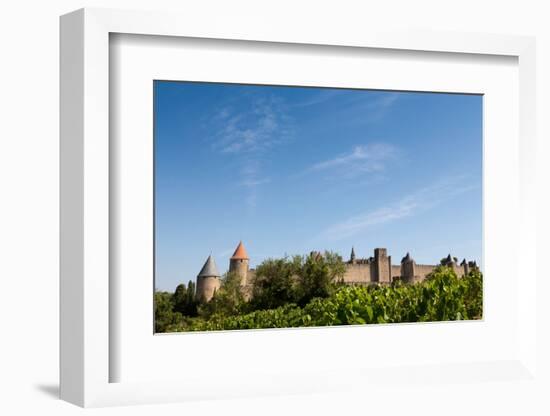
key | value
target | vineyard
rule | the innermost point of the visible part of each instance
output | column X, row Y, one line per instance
column 441, row 297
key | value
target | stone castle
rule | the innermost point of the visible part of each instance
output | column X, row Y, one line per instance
column 359, row 271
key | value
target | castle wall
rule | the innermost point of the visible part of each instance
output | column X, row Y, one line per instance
column 377, row 269
column 459, row 270
column 395, row 272
column 381, row 269
column 358, row 273
column 422, row 270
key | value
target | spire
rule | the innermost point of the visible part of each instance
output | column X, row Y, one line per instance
column 240, row 253
column 352, row 257
column 209, row 269
column 449, row 261
column 406, row 258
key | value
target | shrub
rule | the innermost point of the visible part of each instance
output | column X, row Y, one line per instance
column 318, row 275
column 274, row 284
column 184, row 299
column 165, row 317
column 441, row 297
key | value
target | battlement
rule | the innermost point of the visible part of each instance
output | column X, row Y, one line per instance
column 379, row 269
column 359, row 271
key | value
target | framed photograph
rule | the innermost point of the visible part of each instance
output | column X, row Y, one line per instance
column 292, row 169
column 273, row 212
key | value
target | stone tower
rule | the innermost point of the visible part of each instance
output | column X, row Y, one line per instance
column 465, row 266
column 408, row 269
column 382, row 264
column 208, row 280
column 238, row 263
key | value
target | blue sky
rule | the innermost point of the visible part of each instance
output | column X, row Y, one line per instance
column 288, row 170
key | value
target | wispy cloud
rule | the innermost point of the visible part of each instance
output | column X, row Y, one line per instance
column 372, row 157
column 245, row 130
column 259, row 125
column 359, row 108
column 250, row 183
column 251, row 173
column 251, row 201
column 251, row 179
column 411, row 204
column 369, row 158
column 385, row 101
column 319, row 97
column 371, row 110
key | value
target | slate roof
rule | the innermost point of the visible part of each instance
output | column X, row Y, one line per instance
column 240, row 253
column 209, row 269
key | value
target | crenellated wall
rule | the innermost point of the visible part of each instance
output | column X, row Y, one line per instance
column 395, row 272
column 380, row 269
column 359, row 273
column 423, row 270
column 377, row 269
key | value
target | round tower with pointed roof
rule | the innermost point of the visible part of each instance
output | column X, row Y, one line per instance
column 208, row 280
column 238, row 263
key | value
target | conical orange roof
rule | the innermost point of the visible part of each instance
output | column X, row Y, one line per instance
column 240, row 253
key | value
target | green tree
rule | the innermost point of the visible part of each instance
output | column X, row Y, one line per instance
column 275, row 284
column 180, row 298
column 228, row 300
column 192, row 295
column 164, row 312
column 442, row 296
column 318, row 276
column 473, row 296
column 184, row 299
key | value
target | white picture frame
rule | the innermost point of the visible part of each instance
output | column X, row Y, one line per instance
column 87, row 356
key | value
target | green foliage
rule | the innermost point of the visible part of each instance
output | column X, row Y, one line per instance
column 473, row 296
column 441, row 297
column 228, row 300
column 165, row 318
column 304, row 291
column 318, row 275
column 296, row 280
column 274, row 284
column 184, row 299
column 284, row 316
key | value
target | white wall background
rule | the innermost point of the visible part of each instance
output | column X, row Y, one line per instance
column 29, row 197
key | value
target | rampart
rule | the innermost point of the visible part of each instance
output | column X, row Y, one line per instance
column 377, row 269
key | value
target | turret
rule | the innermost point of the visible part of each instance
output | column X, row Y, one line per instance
column 408, row 268
column 352, row 256
column 208, row 280
column 238, row 263
column 449, row 261
column 465, row 267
